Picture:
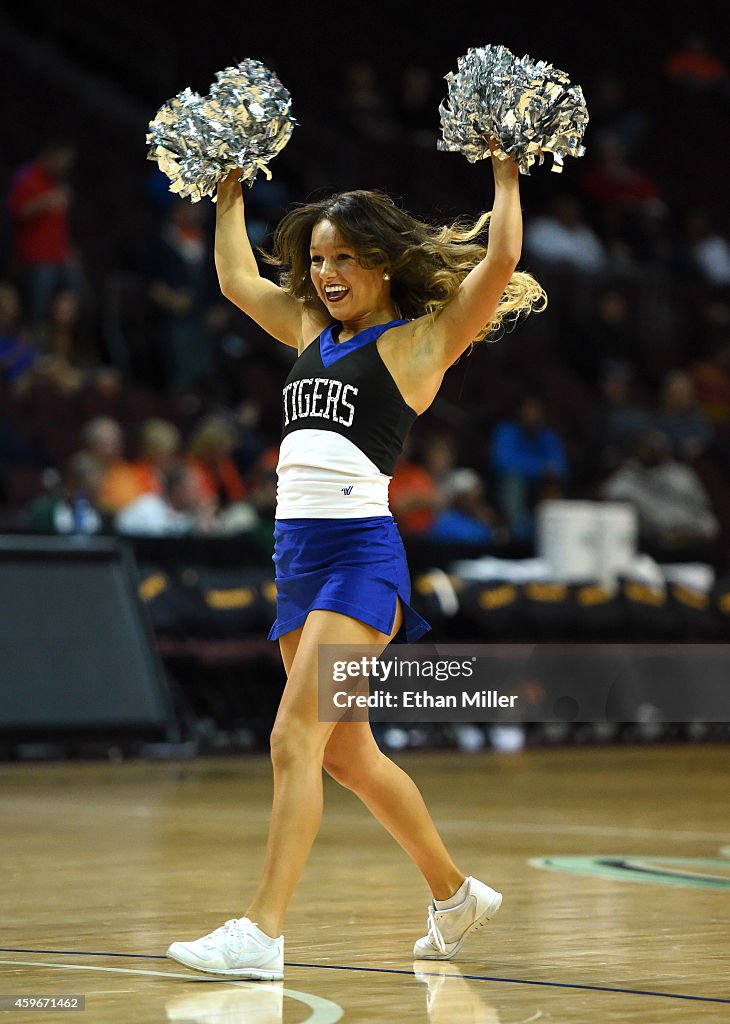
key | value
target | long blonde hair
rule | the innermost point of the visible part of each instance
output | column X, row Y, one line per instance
column 427, row 263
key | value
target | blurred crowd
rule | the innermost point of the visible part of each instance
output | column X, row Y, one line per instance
column 137, row 400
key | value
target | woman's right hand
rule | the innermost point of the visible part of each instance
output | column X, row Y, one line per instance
column 232, row 178
column 279, row 313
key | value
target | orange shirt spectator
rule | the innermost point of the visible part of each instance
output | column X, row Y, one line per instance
column 210, row 451
column 693, row 63
column 119, row 486
column 102, row 438
column 414, row 497
column 158, row 446
column 220, row 480
column 711, row 378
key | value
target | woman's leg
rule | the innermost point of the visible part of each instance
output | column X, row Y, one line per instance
column 353, row 758
column 298, row 742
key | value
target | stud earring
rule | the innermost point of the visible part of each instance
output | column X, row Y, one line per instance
column 386, row 277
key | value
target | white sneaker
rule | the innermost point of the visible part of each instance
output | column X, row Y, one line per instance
column 238, row 949
column 449, row 929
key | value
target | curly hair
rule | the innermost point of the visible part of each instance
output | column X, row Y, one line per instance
column 427, row 263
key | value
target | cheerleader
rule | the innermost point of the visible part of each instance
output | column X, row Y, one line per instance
column 378, row 306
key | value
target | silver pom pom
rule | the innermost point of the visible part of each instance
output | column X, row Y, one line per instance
column 244, row 121
column 529, row 108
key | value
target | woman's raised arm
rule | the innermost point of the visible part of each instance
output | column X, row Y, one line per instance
column 271, row 307
column 459, row 322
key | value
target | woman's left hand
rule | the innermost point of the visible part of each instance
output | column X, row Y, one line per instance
column 504, row 167
column 493, row 143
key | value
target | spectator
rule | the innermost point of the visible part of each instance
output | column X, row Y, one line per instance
column 708, row 249
column 439, row 458
column 23, row 365
column 413, row 493
column 17, row 353
column 626, row 199
column 693, row 65
column 673, row 508
column 711, row 377
column 103, row 438
column 251, row 442
column 180, row 295
column 159, row 445
column 210, row 450
column 181, row 508
column 681, row 419
column 528, row 462
column 262, row 482
column 61, row 333
column 612, row 181
column 608, row 337
column 72, row 507
column 620, row 417
column 38, row 204
column 562, row 239
column 467, row 518
column 613, row 109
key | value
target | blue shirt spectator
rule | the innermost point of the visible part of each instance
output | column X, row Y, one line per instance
column 681, row 418
column 466, row 518
column 527, row 446
column 528, row 460
column 17, row 355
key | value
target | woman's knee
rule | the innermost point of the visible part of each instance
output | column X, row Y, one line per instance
column 293, row 742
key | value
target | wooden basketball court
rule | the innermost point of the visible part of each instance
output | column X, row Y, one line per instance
column 614, row 863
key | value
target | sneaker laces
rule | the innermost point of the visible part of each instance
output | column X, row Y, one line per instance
column 434, row 932
column 232, row 931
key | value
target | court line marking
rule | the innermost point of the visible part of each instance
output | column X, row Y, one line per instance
column 345, row 967
column 643, row 869
column 324, row 1011
column 525, row 981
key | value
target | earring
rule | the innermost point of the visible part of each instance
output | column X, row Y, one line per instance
column 386, row 276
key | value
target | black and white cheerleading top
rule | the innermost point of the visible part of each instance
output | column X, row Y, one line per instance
column 344, row 426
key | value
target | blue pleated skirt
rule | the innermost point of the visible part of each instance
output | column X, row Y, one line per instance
column 353, row 566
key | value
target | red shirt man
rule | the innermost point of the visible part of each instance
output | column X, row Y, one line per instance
column 39, row 206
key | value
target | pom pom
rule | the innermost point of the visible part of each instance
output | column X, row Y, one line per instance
column 529, row 108
column 244, row 121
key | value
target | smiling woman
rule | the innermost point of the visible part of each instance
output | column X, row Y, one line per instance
column 422, row 265
column 378, row 305
column 340, row 278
